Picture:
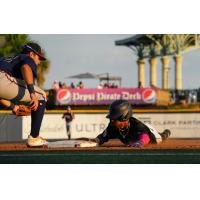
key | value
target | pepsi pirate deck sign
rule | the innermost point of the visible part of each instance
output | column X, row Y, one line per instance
column 135, row 96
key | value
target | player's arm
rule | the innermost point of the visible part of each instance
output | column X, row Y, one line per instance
column 9, row 104
column 143, row 139
column 101, row 138
column 28, row 78
column 105, row 136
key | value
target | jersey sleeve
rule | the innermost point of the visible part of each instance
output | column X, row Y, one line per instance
column 29, row 61
column 141, row 127
column 107, row 134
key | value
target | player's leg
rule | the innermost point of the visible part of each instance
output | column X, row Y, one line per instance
column 36, row 118
column 160, row 137
column 68, row 131
column 165, row 134
column 15, row 90
column 154, row 133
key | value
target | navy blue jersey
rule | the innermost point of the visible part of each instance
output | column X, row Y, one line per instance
column 13, row 65
column 68, row 116
column 132, row 134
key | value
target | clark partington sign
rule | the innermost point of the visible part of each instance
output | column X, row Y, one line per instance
column 105, row 96
column 182, row 125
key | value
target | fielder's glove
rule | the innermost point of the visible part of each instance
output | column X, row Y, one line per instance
column 22, row 110
column 136, row 144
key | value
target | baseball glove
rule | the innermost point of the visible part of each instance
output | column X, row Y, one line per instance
column 22, row 111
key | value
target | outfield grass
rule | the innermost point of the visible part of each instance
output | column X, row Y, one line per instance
column 164, row 156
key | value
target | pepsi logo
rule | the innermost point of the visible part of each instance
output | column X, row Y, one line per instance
column 149, row 96
column 63, row 96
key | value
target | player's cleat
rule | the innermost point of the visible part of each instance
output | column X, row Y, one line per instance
column 36, row 142
column 165, row 134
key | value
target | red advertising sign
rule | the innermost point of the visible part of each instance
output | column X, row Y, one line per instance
column 105, row 96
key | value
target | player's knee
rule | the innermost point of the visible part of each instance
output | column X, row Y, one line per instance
column 42, row 96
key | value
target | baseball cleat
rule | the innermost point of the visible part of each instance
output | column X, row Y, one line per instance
column 165, row 134
column 36, row 142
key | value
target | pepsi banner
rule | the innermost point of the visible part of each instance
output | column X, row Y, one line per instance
column 135, row 96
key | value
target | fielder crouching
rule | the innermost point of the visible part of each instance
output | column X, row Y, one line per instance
column 17, row 76
column 129, row 130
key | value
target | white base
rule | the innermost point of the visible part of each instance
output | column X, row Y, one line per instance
column 71, row 143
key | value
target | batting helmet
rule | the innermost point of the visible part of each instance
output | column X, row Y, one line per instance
column 120, row 110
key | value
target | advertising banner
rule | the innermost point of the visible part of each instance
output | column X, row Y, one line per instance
column 54, row 127
column 182, row 125
column 105, row 96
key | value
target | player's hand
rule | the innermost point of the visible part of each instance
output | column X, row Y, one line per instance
column 44, row 96
column 87, row 139
column 34, row 102
column 136, row 144
column 16, row 107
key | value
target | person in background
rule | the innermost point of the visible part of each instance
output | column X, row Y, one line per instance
column 72, row 85
column 81, row 85
column 60, row 84
column 55, row 85
column 100, row 86
column 68, row 116
column 64, row 86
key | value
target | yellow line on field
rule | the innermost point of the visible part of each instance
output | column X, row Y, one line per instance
column 134, row 110
column 5, row 111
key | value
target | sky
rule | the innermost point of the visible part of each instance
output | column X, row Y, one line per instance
column 72, row 54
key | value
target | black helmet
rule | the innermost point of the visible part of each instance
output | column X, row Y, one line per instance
column 120, row 110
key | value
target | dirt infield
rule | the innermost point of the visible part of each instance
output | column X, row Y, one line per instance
column 112, row 145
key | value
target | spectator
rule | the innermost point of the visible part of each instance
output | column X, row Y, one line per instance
column 112, row 85
column 64, row 86
column 81, row 85
column 140, row 84
column 72, row 85
column 100, row 86
column 60, row 84
column 105, row 85
column 55, row 85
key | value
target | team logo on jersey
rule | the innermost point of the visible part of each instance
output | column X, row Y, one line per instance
column 149, row 96
column 63, row 96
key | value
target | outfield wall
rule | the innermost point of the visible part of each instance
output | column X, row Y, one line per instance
column 182, row 125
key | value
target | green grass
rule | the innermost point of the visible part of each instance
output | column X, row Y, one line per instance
column 143, row 156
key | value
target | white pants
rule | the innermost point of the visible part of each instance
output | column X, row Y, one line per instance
column 16, row 90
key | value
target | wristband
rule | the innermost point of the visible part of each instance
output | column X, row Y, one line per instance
column 30, row 88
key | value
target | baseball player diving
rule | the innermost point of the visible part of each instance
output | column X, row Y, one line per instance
column 129, row 130
column 18, row 74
